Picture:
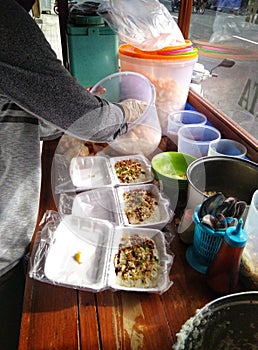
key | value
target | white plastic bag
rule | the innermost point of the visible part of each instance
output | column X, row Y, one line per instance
column 145, row 24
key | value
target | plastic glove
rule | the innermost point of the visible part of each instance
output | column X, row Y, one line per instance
column 98, row 91
column 133, row 109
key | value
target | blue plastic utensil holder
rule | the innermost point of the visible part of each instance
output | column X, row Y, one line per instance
column 206, row 244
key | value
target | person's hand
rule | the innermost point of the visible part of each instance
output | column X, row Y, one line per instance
column 98, row 91
column 133, row 109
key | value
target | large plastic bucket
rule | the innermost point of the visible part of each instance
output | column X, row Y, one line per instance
column 170, row 73
column 92, row 45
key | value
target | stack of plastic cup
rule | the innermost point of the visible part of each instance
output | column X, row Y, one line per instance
column 195, row 139
column 227, row 147
column 178, row 119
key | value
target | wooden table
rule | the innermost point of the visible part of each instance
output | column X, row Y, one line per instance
column 67, row 319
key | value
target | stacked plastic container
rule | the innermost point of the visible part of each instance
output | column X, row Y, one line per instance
column 80, row 246
column 102, row 191
column 169, row 69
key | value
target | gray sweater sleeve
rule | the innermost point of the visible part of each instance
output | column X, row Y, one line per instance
column 33, row 77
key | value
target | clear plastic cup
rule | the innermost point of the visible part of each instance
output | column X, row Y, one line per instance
column 144, row 133
column 227, row 147
column 178, row 119
column 251, row 221
column 195, row 139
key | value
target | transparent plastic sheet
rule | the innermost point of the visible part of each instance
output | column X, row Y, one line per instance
column 145, row 24
column 83, row 253
column 75, row 169
column 225, row 27
column 42, row 243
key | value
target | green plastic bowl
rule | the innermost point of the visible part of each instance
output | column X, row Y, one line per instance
column 170, row 167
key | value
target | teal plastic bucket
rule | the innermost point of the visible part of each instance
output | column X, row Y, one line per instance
column 92, row 50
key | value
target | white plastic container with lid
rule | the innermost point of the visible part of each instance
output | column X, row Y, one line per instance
column 131, row 206
column 249, row 266
column 170, row 72
column 97, row 171
column 83, row 253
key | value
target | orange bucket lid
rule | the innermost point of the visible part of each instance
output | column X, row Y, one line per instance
column 129, row 50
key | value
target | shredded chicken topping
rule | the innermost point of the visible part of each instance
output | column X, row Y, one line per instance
column 140, row 206
column 129, row 171
column 137, row 262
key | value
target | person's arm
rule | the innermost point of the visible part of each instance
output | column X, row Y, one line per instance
column 27, row 4
column 33, row 77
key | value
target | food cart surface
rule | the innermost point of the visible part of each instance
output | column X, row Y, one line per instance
column 56, row 317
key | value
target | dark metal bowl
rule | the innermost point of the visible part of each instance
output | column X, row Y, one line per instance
column 230, row 322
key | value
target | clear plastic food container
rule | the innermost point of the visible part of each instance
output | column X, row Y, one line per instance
column 136, row 92
column 89, row 172
column 132, row 206
column 83, row 253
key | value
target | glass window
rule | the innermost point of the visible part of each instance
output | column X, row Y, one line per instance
column 228, row 29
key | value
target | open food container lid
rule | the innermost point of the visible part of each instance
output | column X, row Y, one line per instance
column 101, row 203
column 88, row 254
column 90, row 172
column 132, row 206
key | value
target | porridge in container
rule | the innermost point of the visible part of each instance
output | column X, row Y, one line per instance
column 131, row 169
column 144, row 206
column 140, row 206
column 137, row 262
column 132, row 206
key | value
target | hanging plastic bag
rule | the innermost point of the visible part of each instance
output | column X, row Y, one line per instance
column 145, row 24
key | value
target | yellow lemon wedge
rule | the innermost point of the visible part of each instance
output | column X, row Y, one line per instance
column 79, row 257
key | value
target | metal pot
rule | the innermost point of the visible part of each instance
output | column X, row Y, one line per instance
column 232, row 176
column 229, row 322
